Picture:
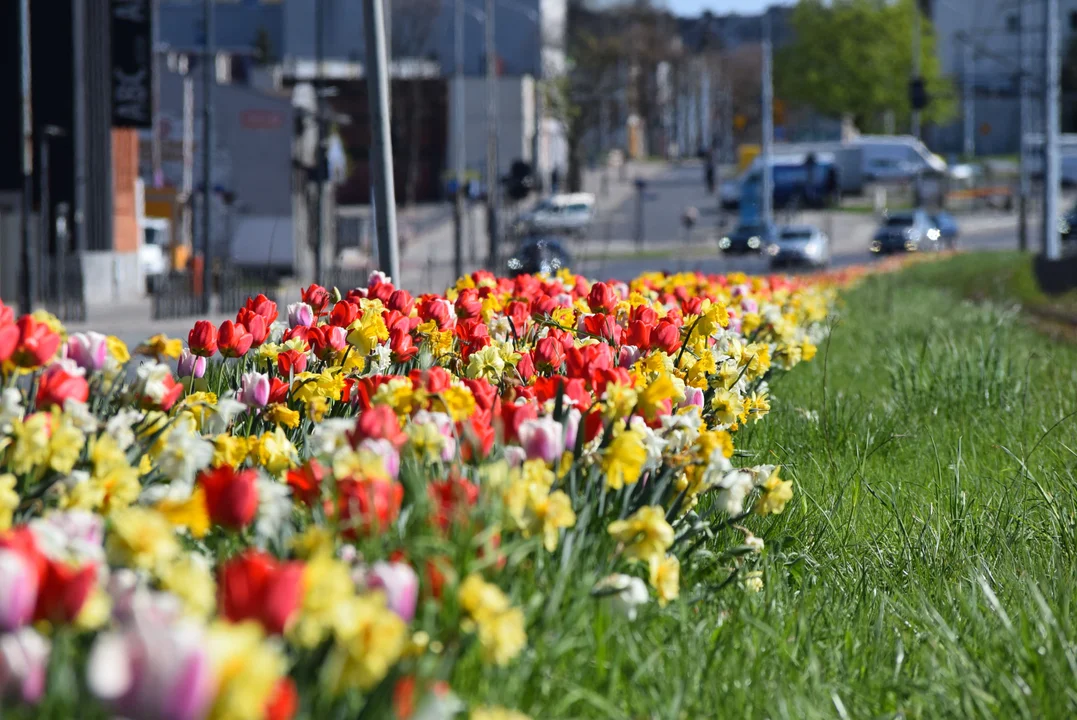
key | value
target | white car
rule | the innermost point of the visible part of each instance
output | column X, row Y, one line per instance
column 566, row 214
column 729, row 194
column 153, row 252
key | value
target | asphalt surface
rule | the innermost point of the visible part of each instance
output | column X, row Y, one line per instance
column 666, row 198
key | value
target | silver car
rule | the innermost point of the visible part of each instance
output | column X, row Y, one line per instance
column 799, row 245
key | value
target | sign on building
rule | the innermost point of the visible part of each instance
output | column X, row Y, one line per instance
column 132, row 63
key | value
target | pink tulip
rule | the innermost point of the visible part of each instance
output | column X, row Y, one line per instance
column 386, row 451
column 153, row 670
column 300, row 314
column 191, row 365
column 542, row 439
column 572, row 427
column 18, row 590
column 255, row 389
column 749, row 305
column 692, row 396
column 88, row 350
column 400, row 584
column 24, row 660
column 628, row 356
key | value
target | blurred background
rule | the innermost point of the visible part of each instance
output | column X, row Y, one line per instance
column 160, row 157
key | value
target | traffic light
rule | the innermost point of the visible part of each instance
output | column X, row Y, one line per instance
column 918, row 97
column 521, row 180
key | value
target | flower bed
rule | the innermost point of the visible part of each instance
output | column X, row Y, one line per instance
column 333, row 509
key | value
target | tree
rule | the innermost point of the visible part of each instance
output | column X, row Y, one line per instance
column 855, row 57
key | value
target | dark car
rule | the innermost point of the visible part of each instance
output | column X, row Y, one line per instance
column 908, row 231
column 1067, row 226
column 539, row 255
column 748, row 239
column 947, row 226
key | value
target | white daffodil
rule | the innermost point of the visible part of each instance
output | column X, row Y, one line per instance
column 625, row 593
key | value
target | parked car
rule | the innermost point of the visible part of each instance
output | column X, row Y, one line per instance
column 729, row 194
column 153, row 252
column 909, row 231
column 566, row 214
column 748, row 239
column 799, row 245
column 1067, row 227
column 945, row 223
column 799, row 180
column 539, row 254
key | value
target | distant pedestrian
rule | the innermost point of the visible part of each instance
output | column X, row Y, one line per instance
column 555, row 179
column 708, row 176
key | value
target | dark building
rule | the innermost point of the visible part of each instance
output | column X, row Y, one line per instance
column 80, row 154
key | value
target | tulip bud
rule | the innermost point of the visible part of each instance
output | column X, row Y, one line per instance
column 692, row 396
column 191, row 365
column 18, row 590
column 24, row 660
column 628, row 356
column 300, row 314
column 400, row 584
column 542, row 439
column 88, row 350
column 255, row 389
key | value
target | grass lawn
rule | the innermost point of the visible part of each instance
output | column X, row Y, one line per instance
column 926, row 567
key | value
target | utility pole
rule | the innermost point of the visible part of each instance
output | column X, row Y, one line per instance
column 1022, row 159
column 1051, row 158
column 916, row 62
column 78, row 135
column 187, row 183
column 319, row 140
column 155, row 146
column 969, row 62
column 209, row 78
column 537, row 134
column 767, row 205
column 492, row 183
column 26, row 286
column 458, row 128
column 381, row 145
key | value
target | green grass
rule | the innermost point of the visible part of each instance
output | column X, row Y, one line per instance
column 995, row 276
column 925, row 569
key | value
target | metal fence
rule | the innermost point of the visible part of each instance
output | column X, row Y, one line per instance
column 63, row 288
column 179, row 296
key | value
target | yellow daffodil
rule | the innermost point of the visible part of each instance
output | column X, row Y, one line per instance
column 190, row 513
column 190, row 579
column 645, row 533
column 370, row 639
column 776, row 493
column 281, row 414
column 623, row 459
column 666, row 577
column 246, row 669
column 140, row 538
column 9, row 500
column 160, row 346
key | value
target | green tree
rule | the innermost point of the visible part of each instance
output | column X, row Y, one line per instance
column 855, row 57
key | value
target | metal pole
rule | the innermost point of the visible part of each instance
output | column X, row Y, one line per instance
column 26, row 287
column 492, row 183
column 158, row 173
column 1022, row 158
column 1052, row 160
column 319, row 139
column 44, row 206
column 537, row 134
column 381, row 146
column 209, row 77
column 767, row 205
column 78, row 136
column 969, row 61
column 187, row 182
column 916, row 62
column 458, row 129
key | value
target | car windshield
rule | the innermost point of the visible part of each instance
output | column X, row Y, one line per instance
column 899, row 221
column 577, row 207
column 749, row 230
column 798, row 234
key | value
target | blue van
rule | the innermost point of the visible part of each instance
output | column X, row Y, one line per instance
column 807, row 181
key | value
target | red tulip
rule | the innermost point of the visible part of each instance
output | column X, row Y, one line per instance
column 306, row 481
column 638, row 334
column 512, row 416
column 231, row 497
column 603, row 326
column 666, row 337
column 602, row 298
column 317, row 297
column 452, row 499
column 64, row 591
column 283, row 702
column 255, row 324
column 438, row 309
column 233, row 340
column 7, row 315
column 378, row 423
column 485, row 394
column 549, row 354
column 434, row 380
column 57, row 385
column 278, row 390
column 477, row 435
column 468, row 304
column 644, row 314
column 37, row 343
column 203, row 338
column 368, row 505
column 254, row 586
column 291, row 361
column 261, row 305
column 9, row 338
column 526, row 366
column 170, row 393
column 402, row 346
column 401, row 301
column 344, row 314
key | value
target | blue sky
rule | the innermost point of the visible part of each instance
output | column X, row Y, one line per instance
column 723, row 7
